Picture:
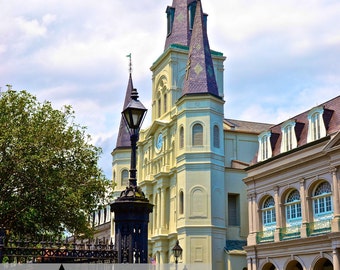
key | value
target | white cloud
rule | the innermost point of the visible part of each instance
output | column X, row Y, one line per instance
column 283, row 56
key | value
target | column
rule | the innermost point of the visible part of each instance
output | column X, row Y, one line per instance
column 304, row 208
column 159, row 210
column 278, row 214
column 252, row 219
column 163, row 207
column 336, row 203
column 250, row 213
column 154, row 220
column 336, row 259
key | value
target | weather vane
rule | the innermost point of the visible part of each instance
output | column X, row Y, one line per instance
column 130, row 63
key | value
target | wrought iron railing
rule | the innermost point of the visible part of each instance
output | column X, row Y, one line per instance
column 265, row 236
column 24, row 251
column 291, row 232
column 319, row 227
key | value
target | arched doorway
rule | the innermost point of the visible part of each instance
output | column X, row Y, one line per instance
column 323, row 264
column 294, row 265
column 269, row 266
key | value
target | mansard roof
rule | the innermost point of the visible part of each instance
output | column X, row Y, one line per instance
column 200, row 74
column 123, row 138
column 180, row 33
column 331, row 118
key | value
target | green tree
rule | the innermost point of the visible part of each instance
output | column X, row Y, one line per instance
column 49, row 177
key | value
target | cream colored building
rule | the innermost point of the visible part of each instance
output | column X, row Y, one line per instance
column 191, row 159
column 293, row 193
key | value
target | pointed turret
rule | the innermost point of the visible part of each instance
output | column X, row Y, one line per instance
column 200, row 75
column 123, row 139
column 180, row 19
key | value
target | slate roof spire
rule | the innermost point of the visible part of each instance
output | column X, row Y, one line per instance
column 123, row 138
column 179, row 31
column 200, row 75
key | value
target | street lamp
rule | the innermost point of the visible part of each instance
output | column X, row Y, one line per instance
column 131, row 209
column 177, row 250
column 133, row 115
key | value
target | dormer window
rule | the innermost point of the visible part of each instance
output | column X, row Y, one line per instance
column 265, row 150
column 316, row 129
column 191, row 11
column 288, row 141
column 170, row 19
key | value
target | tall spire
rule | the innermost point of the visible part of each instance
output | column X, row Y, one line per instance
column 200, row 75
column 179, row 26
column 123, row 138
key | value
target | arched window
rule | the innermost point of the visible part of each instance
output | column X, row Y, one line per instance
column 322, row 200
column 268, row 212
column 125, row 178
column 197, row 135
column 293, row 206
column 216, row 134
column 181, row 137
column 181, row 203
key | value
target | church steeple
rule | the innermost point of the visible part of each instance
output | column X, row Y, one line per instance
column 180, row 19
column 123, row 139
column 200, row 75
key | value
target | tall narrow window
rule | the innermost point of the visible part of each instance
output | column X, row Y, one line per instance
column 165, row 103
column 216, row 134
column 181, row 137
column 268, row 212
column 233, row 210
column 125, row 178
column 181, row 202
column 322, row 201
column 197, row 135
column 170, row 19
column 293, row 207
column 192, row 11
column 159, row 107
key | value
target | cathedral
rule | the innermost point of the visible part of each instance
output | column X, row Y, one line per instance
column 191, row 160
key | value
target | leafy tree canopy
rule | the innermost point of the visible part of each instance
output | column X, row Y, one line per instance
column 49, row 178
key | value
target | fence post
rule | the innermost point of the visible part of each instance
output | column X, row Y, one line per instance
column 2, row 242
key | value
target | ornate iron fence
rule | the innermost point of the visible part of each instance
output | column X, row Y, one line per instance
column 30, row 251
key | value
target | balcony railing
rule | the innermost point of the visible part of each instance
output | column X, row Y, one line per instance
column 291, row 232
column 319, row 227
column 265, row 236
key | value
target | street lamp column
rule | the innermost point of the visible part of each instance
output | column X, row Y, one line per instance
column 131, row 209
column 133, row 115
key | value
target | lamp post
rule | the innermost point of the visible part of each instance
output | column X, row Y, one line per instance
column 177, row 250
column 133, row 115
column 131, row 209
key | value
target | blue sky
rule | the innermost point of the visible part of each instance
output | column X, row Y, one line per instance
column 283, row 57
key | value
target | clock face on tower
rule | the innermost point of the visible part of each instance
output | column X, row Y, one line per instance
column 159, row 142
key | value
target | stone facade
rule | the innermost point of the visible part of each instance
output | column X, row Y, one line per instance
column 293, row 193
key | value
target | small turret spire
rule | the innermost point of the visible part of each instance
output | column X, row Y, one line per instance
column 123, row 138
